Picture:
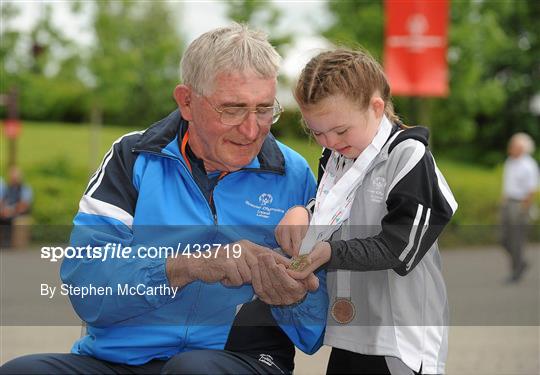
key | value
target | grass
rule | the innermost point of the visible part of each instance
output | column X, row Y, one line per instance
column 45, row 142
column 57, row 160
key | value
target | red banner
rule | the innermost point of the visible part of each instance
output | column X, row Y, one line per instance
column 415, row 47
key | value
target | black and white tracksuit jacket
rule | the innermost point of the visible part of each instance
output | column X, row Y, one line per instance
column 388, row 248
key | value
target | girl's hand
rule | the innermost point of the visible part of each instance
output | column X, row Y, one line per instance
column 292, row 229
column 319, row 255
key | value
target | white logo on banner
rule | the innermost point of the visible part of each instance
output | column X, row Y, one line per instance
column 416, row 40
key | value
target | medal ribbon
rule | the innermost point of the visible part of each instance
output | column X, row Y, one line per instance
column 337, row 188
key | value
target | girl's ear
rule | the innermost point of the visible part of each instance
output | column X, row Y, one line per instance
column 182, row 96
column 377, row 104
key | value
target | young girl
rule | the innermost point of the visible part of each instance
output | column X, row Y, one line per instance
column 380, row 206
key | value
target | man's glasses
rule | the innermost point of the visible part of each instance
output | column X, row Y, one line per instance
column 233, row 116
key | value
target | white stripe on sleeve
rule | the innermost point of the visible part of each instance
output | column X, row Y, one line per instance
column 412, row 235
column 445, row 189
column 92, row 206
column 424, row 230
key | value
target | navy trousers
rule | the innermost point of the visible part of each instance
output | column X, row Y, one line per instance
column 346, row 362
column 193, row 362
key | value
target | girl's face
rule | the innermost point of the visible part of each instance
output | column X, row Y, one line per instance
column 339, row 124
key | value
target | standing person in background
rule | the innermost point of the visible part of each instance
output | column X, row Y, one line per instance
column 520, row 183
column 381, row 204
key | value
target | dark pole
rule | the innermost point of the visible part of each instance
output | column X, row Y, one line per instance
column 420, row 110
column 12, row 105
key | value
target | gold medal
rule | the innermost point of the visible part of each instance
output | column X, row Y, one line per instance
column 300, row 263
column 343, row 310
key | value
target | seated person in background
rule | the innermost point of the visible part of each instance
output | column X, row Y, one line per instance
column 15, row 201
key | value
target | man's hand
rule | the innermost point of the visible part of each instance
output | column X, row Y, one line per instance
column 185, row 269
column 274, row 286
column 258, row 265
column 245, row 262
column 222, row 266
column 292, row 229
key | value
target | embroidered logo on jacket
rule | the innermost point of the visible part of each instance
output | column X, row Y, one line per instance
column 376, row 190
column 265, row 199
column 264, row 210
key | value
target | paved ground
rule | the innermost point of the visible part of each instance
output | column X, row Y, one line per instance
column 495, row 327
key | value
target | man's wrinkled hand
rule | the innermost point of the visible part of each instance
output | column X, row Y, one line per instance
column 274, row 286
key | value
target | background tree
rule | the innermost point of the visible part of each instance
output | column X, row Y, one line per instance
column 495, row 72
column 126, row 76
column 42, row 64
column 9, row 38
column 263, row 15
column 357, row 23
column 134, row 62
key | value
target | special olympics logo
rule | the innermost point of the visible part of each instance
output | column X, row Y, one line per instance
column 416, row 38
column 379, row 182
column 417, row 24
column 265, row 199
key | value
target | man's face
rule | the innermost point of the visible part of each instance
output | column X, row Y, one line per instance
column 14, row 176
column 224, row 147
column 515, row 148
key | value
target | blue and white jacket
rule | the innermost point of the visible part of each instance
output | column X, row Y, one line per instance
column 144, row 195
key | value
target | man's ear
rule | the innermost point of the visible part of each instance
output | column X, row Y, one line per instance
column 182, row 96
column 378, row 106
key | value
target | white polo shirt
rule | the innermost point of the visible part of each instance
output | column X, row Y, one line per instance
column 520, row 177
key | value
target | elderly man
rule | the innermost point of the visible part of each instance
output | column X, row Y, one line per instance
column 208, row 183
column 520, row 183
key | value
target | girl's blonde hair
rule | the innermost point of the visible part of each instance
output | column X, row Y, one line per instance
column 354, row 74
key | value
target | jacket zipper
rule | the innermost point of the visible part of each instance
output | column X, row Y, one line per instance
column 214, row 216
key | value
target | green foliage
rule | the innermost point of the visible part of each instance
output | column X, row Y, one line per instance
column 357, row 23
column 495, row 49
column 134, row 62
column 9, row 37
column 263, row 15
column 290, row 126
column 126, row 76
column 66, row 101
column 42, row 65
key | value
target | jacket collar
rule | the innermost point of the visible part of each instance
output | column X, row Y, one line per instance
column 162, row 138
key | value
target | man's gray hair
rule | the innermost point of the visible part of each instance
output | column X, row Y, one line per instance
column 227, row 49
column 525, row 140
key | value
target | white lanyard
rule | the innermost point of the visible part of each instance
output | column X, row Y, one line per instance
column 337, row 188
